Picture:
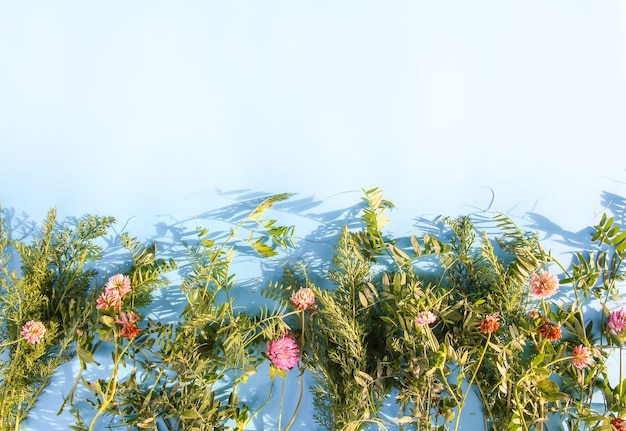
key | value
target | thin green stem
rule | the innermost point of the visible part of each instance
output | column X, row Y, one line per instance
column 471, row 382
column 447, row 385
column 154, row 386
column 8, row 343
column 269, row 397
column 520, row 408
column 295, row 413
column 108, row 398
column 17, row 417
column 621, row 370
column 280, row 408
column 489, row 412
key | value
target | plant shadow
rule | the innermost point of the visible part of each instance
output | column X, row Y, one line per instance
column 322, row 224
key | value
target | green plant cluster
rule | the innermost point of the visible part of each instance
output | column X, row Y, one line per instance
column 421, row 323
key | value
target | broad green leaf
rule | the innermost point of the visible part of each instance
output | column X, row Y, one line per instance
column 84, row 355
column 108, row 321
column 548, row 386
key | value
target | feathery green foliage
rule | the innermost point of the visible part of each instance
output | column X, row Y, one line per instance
column 418, row 326
column 188, row 371
column 53, row 286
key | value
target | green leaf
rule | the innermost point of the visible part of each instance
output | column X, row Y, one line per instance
column 361, row 381
column 441, row 355
column 619, row 238
column 105, row 334
column 362, row 299
column 403, row 419
column 416, row 246
column 548, row 386
column 108, row 321
column 147, row 423
column 556, row 396
column 613, row 231
column 267, row 203
column 188, row 414
column 94, row 386
column 538, row 359
column 249, row 369
column 84, row 355
column 263, row 249
column 277, row 372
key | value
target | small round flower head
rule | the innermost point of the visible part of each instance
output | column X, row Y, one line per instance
column 119, row 283
column 490, row 323
column 130, row 331
column 544, row 284
column 581, row 357
column 617, row 322
column 33, row 331
column 425, row 318
column 109, row 299
column 619, row 424
column 534, row 315
column 303, row 298
column 550, row 331
column 283, row 352
column 127, row 318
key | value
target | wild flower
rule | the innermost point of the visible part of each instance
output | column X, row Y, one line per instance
column 581, row 357
column 33, row 331
column 544, row 284
column 128, row 320
column 617, row 321
column 130, row 331
column 283, row 352
column 109, row 299
column 550, row 331
column 618, row 424
column 490, row 323
column 119, row 283
column 303, row 298
column 425, row 318
column 534, row 315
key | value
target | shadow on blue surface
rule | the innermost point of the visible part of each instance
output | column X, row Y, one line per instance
column 313, row 247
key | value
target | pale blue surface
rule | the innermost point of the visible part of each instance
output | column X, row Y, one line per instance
column 159, row 112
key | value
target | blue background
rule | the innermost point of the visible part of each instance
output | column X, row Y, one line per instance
column 164, row 114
